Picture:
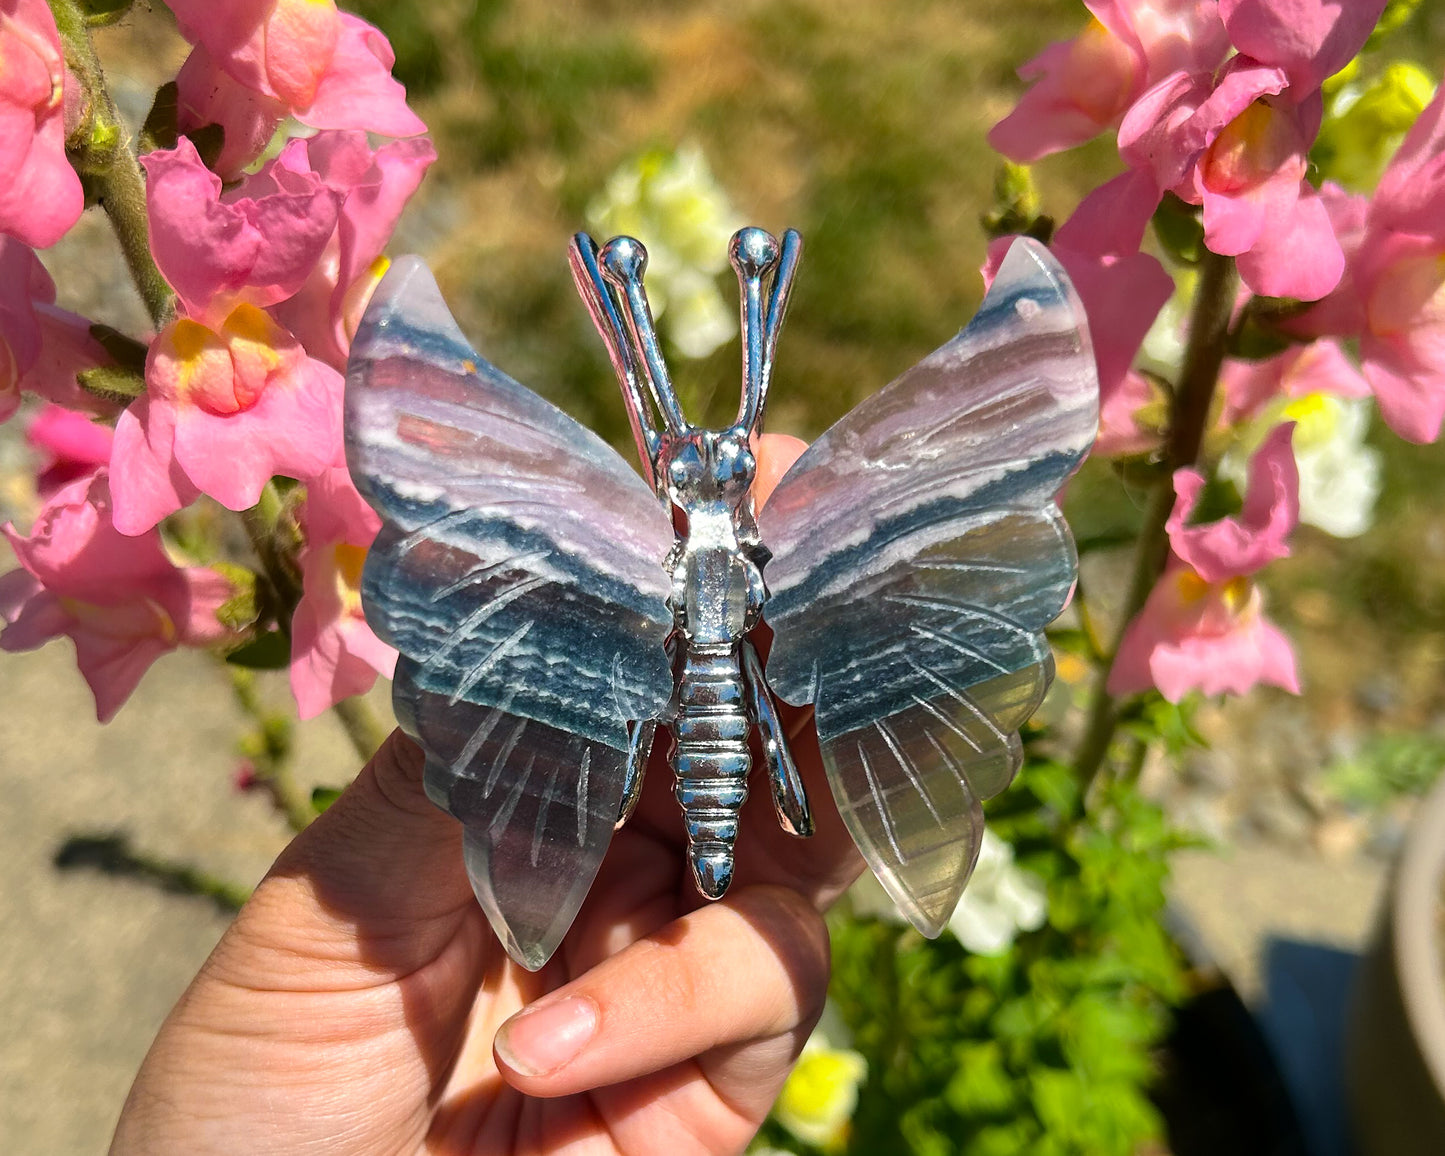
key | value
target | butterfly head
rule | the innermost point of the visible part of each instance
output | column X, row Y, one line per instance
column 610, row 280
column 706, row 467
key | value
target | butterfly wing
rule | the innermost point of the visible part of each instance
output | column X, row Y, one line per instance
column 519, row 573
column 918, row 555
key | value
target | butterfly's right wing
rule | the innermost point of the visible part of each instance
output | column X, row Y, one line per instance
column 519, row 573
column 918, row 555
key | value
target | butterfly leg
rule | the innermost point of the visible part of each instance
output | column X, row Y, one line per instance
column 789, row 799
column 639, row 747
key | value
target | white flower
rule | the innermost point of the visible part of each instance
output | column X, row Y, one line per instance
column 1339, row 475
column 821, row 1094
column 1001, row 900
column 673, row 205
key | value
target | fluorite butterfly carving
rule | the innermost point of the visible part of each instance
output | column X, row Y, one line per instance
column 550, row 619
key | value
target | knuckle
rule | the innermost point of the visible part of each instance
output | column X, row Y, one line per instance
column 796, row 935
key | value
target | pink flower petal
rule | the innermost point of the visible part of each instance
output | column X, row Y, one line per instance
column 1296, row 254
column 1408, row 379
column 1121, row 296
column 147, row 484
column 1119, row 432
column 1156, row 135
column 1309, row 39
column 1320, row 367
column 376, row 186
column 212, row 248
column 72, row 446
column 31, row 615
column 118, row 598
column 293, row 429
column 1411, row 194
column 1232, row 663
column 1196, row 636
column 1232, row 547
column 113, row 667
column 1112, row 218
column 40, row 197
column 206, row 591
column 358, row 90
column 208, row 95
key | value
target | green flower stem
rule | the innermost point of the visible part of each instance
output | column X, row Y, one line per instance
column 363, row 727
column 103, row 159
column 267, row 526
column 270, row 751
column 1209, row 332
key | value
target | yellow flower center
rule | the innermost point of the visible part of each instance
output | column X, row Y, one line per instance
column 1251, row 148
column 348, row 561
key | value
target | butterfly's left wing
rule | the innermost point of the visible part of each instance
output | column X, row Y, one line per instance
column 519, row 573
column 918, row 555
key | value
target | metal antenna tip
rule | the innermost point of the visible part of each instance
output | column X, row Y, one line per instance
column 623, row 260
column 753, row 251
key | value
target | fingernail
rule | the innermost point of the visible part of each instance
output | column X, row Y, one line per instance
column 537, row 1042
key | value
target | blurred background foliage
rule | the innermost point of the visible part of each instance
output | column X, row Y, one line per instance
column 863, row 126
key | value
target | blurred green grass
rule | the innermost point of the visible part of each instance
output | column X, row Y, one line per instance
column 863, row 125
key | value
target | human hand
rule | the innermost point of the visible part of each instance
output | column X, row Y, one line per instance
column 360, row 1002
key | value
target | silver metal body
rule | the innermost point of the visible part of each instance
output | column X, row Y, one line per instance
column 716, row 566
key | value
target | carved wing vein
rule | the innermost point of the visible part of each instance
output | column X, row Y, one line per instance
column 487, row 569
column 497, row 653
column 541, row 824
column 881, row 802
column 514, row 796
column 907, row 766
column 499, row 764
column 462, row 631
column 960, row 646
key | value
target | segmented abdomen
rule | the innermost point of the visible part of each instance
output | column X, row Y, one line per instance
column 711, row 761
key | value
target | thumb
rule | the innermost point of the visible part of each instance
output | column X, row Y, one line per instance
column 370, row 892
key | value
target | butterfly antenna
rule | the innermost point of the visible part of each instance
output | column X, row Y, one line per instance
column 754, row 254
column 623, row 261
column 582, row 256
column 787, row 270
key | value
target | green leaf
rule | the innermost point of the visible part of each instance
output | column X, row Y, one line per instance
column 323, row 797
column 112, row 383
column 982, row 1086
column 124, row 350
column 161, row 129
column 269, row 651
column 1180, row 229
column 100, row 12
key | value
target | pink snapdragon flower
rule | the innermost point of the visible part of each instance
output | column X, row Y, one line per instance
column 1203, row 626
column 374, row 186
column 231, row 397
column 40, row 195
column 259, row 61
column 1236, row 142
column 334, row 654
column 1085, row 85
column 1393, row 295
column 71, row 445
column 42, row 347
column 1120, row 430
column 120, row 599
column 1249, row 387
column 1122, row 290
